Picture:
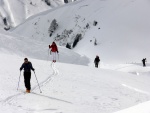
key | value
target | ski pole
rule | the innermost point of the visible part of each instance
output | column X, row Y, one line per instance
column 37, row 82
column 48, row 55
column 58, row 56
column 19, row 80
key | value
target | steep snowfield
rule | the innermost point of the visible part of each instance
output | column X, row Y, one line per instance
column 17, row 11
column 16, row 45
column 68, row 88
column 122, row 31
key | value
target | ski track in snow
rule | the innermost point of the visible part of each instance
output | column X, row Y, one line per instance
column 47, row 80
column 135, row 89
column 9, row 99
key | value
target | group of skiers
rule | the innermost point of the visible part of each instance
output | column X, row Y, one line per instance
column 97, row 60
column 27, row 65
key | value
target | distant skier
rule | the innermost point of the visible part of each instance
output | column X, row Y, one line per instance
column 54, row 49
column 27, row 66
column 96, row 61
column 144, row 60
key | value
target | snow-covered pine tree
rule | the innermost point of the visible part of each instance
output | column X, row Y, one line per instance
column 52, row 27
column 78, row 37
column 5, row 21
column 68, row 46
column 48, row 2
column 95, row 23
column 66, row 1
column 95, row 42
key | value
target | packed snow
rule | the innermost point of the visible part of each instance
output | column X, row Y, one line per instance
column 68, row 88
column 73, row 84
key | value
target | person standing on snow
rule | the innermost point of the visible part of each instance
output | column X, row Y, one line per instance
column 54, row 49
column 27, row 66
column 96, row 61
column 144, row 60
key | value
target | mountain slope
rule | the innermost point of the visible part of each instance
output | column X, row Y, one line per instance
column 69, row 88
column 122, row 30
column 17, row 45
column 14, row 12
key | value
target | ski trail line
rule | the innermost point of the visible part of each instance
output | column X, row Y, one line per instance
column 47, row 80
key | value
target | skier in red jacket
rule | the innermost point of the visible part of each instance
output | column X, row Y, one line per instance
column 54, row 49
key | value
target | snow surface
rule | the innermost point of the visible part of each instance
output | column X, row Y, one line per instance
column 16, row 45
column 17, row 11
column 68, row 88
column 119, row 85
column 123, row 34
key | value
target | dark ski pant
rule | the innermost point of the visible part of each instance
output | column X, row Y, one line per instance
column 96, row 65
column 144, row 65
column 27, row 77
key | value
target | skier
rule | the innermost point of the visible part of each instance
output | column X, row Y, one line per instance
column 27, row 66
column 54, row 49
column 96, row 61
column 144, row 60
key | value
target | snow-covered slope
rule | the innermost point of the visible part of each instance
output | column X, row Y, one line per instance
column 16, row 45
column 14, row 12
column 68, row 88
column 140, row 108
column 122, row 31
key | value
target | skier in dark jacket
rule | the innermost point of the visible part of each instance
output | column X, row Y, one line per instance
column 96, row 61
column 27, row 66
column 144, row 60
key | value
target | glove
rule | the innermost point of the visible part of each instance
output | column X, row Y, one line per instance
column 57, row 52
